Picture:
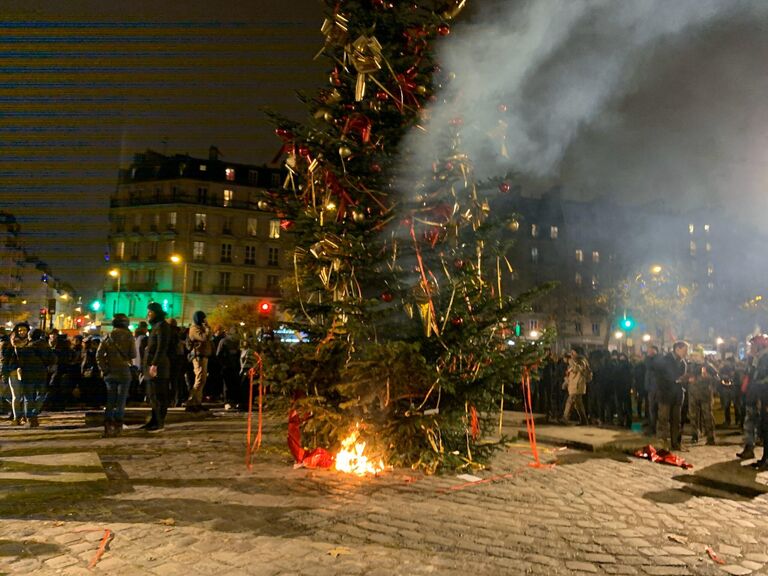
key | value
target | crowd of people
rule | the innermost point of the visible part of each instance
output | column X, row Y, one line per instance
column 158, row 362
column 660, row 392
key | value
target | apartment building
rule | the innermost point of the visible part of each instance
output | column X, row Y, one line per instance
column 191, row 233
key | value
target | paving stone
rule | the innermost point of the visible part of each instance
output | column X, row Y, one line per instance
column 666, row 570
column 736, row 570
column 755, row 557
column 581, row 566
column 679, row 551
column 751, row 565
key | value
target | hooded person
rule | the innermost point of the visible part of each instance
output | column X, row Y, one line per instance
column 11, row 365
column 115, row 356
column 157, row 366
column 200, row 349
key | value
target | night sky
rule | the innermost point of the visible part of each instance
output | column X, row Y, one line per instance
column 679, row 118
column 85, row 85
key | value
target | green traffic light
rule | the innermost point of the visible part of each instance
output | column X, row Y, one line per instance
column 95, row 305
column 628, row 323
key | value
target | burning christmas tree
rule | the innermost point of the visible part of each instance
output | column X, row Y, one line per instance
column 398, row 268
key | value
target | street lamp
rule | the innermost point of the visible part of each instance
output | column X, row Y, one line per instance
column 177, row 259
column 646, row 337
column 656, row 269
column 719, row 341
column 115, row 273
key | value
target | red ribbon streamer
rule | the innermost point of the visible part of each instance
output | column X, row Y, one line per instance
column 529, row 423
column 102, row 547
column 251, row 448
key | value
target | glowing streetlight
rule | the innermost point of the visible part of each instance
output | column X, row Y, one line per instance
column 177, row 259
column 656, row 269
column 115, row 273
column 646, row 337
column 533, row 334
column 618, row 335
column 719, row 341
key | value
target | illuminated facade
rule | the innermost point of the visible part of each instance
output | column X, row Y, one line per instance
column 189, row 233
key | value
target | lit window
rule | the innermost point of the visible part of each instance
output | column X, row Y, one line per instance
column 228, row 195
column 252, row 226
column 710, row 270
column 577, row 279
column 579, row 256
column 172, row 220
column 197, row 280
column 226, row 253
column 708, row 247
column 534, row 230
column 710, row 285
column 272, row 259
column 595, row 282
column 691, row 228
column 596, row 257
column 198, row 250
column 706, row 227
column 274, row 228
column 692, row 248
column 534, row 255
column 229, row 174
column 250, row 254
column 201, row 221
column 553, row 232
column 203, row 167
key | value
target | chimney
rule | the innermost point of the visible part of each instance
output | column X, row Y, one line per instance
column 213, row 154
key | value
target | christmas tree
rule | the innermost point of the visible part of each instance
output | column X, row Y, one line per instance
column 397, row 271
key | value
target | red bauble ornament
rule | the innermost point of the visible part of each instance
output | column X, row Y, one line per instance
column 386, row 296
column 381, row 96
column 443, row 29
column 457, row 320
column 504, row 187
column 303, row 151
column 283, row 132
column 286, row 224
column 376, row 168
column 449, row 166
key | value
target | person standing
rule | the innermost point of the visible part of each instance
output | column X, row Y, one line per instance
column 200, row 349
column 36, row 361
column 12, row 366
column 577, row 376
column 700, row 390
column 670, row 373
column 756, row 421
column 651, row 388
column 157, row 366
column 114, row 357
column 228, row 355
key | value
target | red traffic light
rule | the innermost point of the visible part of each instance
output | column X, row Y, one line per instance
column 265, row 308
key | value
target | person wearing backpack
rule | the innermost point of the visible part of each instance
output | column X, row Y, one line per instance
column 200, row 348
column 114, row 357
column 577, row 376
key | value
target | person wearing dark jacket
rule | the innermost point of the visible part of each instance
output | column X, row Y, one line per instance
column 12, row 366
column 36, row 361
column 670, row 371
column 157, row 366
column 228, row 355
column 114, row 356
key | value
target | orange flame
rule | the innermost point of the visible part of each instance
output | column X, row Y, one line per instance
column 351, row 457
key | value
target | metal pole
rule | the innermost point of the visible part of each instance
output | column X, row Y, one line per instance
column 117, row 300
column 183, row 292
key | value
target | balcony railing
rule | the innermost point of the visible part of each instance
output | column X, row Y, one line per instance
column 180, row 198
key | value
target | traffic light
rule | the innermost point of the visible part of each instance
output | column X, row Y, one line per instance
column 265, row 308
column 627, row 323
column 96, row 305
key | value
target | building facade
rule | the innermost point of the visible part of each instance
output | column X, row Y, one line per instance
column 191, row 234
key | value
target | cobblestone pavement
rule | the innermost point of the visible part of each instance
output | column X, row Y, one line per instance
column 182, row 502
